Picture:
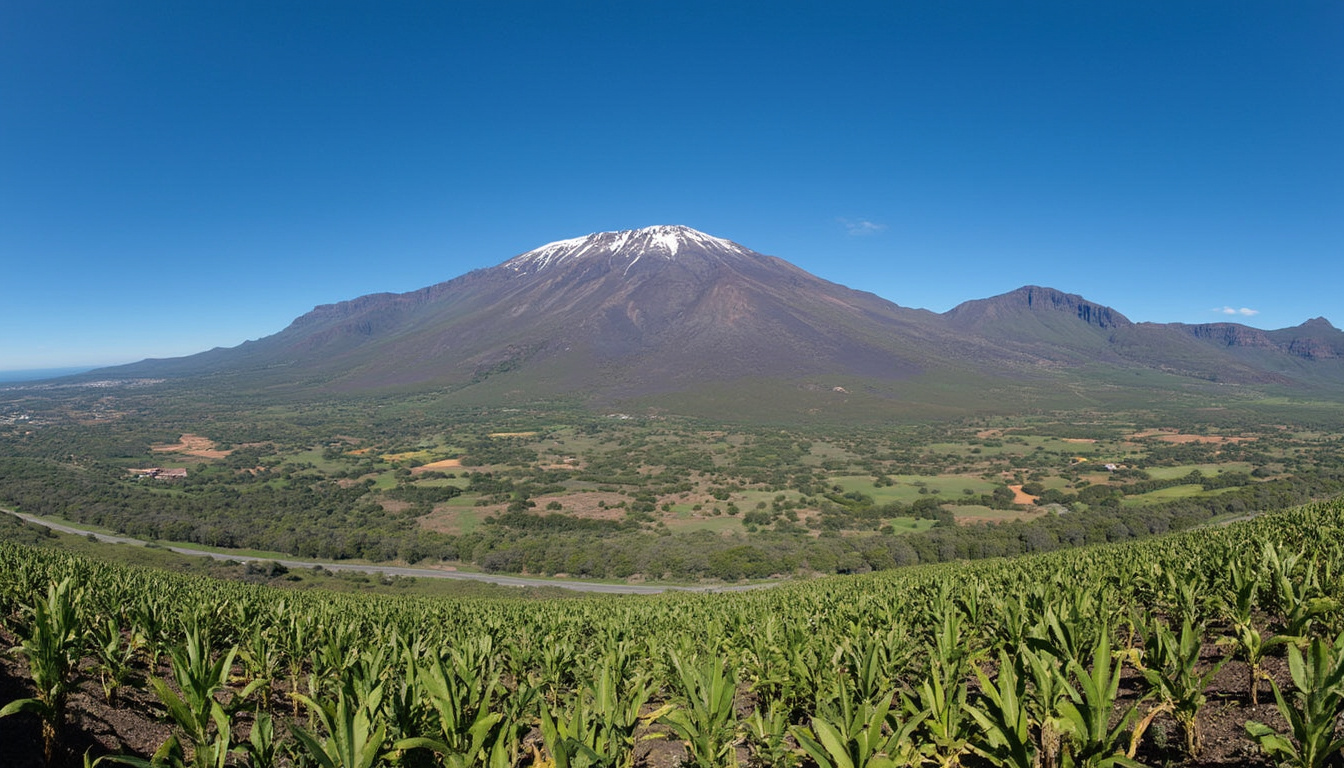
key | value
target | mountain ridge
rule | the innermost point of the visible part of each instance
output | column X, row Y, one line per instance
column 669, row 310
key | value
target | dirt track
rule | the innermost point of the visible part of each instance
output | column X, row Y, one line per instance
column 394, row 570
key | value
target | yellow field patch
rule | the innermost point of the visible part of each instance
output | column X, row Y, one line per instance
column 1172, row 436
column 406, row 456
column 192, row 445
column 436, row 465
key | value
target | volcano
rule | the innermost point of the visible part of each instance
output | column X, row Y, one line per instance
column 669, row 310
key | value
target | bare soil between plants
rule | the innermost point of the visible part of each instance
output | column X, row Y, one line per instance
column 136, row 724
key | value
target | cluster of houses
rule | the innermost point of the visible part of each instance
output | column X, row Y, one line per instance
column 1083, row 459
column 163, row 473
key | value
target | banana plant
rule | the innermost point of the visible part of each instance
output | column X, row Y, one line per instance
column 616, row 705
column 53, row 639
column 1086, row 714
column 114, row 654
column 703, row 715
column 570, row 737
column 1002, row 714
column 1296, row 590
column 198, row 706
column 1170, row 666
column 860, row 734
column 1045, row 696
column 558, row 662
column 598, row 728
column 261, row 748
column 1245, row 637
column 858, row 664
column 1312, row 712
column 261, row 658
column 767, row 737
column 354, row 737
column 466, row 730
column 939, row 703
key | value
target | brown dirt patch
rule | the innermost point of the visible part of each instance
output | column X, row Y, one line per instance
column 584, row 505
column 1021, row 498
column 445, row 518
column 436, row 466
column 1080, row 439
column 192, row 445
column 442, row 521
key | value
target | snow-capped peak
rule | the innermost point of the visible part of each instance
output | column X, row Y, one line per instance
column 662, row 241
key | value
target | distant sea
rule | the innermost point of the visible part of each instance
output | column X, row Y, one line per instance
column 33, row 374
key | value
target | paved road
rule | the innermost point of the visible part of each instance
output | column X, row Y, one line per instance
column 393, row 570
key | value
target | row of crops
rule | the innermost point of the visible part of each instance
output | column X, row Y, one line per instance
column 1071, row 659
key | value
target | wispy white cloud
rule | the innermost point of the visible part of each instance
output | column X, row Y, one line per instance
column 861, row 227
column 1243, row 311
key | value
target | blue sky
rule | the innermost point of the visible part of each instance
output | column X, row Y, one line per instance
column 180, row 176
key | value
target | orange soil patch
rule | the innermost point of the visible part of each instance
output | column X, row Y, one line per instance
column 434, row 466
column 1021, row 498
column 193, row 445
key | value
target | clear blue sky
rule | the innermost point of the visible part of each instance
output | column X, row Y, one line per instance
column 176, row 176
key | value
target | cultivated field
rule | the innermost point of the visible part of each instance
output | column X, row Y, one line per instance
column 1218, row 647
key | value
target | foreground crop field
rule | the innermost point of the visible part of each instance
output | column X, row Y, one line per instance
column 1220, row 646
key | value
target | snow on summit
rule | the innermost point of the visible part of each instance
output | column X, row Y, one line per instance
column 630, row 244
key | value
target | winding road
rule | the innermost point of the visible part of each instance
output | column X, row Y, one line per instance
column 396, row 570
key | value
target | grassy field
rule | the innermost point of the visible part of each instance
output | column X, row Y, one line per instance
column 908, row 487
column 1209, row 470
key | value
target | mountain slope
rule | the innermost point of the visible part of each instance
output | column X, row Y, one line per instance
column 617, row 313
column 1042, row 323
column 669, row 310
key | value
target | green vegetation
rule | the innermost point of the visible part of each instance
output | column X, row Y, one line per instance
column 549, row 490
column 1002, row 662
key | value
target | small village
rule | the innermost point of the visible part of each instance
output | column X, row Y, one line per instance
column 161, row 473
